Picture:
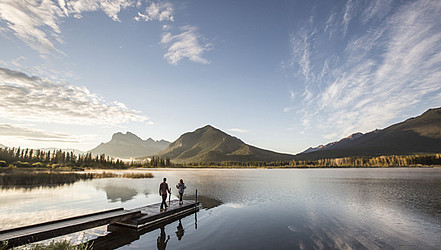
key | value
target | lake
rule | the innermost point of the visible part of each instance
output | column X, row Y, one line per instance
column 256, row 208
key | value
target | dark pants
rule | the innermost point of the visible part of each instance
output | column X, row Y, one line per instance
column 180, row 196
column 164, row 198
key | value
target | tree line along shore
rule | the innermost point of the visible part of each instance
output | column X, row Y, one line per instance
column 17, row 158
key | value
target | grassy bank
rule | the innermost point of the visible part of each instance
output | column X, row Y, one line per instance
column 60, row 245
column 20, row 178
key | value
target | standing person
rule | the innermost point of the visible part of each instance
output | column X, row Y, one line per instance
column 163, row 189
column 181, row 186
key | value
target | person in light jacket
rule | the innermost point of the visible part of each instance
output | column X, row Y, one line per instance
column 181, row 186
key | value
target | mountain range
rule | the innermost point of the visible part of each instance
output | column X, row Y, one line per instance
column 421, row 134
column 209, row 144
column 128, row 146
column 416, row 135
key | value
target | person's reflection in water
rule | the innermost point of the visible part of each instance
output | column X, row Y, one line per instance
column 180, row 231
column 161, row 242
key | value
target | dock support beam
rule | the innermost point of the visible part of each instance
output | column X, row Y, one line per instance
column 196, row 198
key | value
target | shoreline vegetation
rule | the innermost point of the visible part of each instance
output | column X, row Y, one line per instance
column 16, row 159
column 31, row 179
column 63, row 244
column 415, row 161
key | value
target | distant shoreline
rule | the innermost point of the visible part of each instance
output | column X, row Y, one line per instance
column 282, row 167
column 85, row 171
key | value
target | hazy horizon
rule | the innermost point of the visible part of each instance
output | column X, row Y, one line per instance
column 282, row 76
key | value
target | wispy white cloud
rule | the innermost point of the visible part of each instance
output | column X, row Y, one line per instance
column 157, row 11
column 34, row 134
column 331, row 26
column 37, row 23
column 188, row 44
column 28, row 98
column 292, row 95
column 111, row 8
column 301, row 52
column 349, row 12
column 34, row 22
column 301, row 59
column 376, row 9
column 378, row 75
column 287, row 109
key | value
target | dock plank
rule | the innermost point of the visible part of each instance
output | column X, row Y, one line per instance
column 47, row 230
column 152, row 214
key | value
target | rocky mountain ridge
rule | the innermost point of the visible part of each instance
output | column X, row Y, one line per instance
column 129, row 145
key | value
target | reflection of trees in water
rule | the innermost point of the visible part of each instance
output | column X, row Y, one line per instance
column 35, row 186
column 36, row 180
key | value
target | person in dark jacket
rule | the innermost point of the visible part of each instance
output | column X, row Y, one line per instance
column 163, row 189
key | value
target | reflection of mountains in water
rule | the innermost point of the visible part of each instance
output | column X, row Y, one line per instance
column 118, row 193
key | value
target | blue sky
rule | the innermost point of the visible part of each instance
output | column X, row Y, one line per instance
column 280, row 75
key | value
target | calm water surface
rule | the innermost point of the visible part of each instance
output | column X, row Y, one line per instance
column 257, row 209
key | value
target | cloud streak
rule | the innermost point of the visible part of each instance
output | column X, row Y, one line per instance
column 34, row 134
column 187, row 44
column 28, row 98
column 377, row 75
column 159, row 12
column 37, row 23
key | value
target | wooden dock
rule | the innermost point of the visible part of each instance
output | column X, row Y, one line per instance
column 151, row 216
column 121, row 234
column 137, row 219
